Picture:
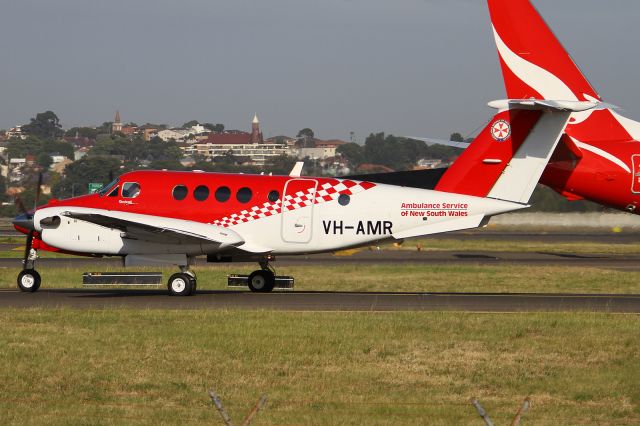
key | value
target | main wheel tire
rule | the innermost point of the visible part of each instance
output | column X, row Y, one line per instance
column 29, row 280
column 180, row 284
column 194, row 284
column 262, row 281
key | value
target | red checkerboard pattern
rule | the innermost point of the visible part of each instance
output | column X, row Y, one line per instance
column 327, row 191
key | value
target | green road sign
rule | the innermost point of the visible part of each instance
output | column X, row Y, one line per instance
column 94, row 187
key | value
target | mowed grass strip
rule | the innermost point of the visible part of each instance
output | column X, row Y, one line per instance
column 154, row 367
column 517, row 245
column 403, row 277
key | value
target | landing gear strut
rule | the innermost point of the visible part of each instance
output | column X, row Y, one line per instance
column 183, row 283
column 29, row 279
column 263, row 280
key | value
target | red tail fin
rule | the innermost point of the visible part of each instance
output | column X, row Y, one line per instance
column 534, row 63
column 480, row 165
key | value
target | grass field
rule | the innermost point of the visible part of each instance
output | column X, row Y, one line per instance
column 122, row 366
column 397, row 278
column 154, row 367
column 521, row 245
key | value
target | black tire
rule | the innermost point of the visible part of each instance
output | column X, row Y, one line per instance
column 29, row 280
column 180, row 284
column 261, row 281
column 194, row 284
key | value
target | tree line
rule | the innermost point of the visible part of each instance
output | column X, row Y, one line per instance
column 114, row 154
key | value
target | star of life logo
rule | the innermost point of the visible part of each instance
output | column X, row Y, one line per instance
column 500, row 130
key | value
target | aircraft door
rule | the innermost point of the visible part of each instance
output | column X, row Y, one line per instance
column 297, row 210
column 635, row 174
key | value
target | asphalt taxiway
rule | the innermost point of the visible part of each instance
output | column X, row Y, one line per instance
column 349, row 301
column 321, row 301
column 372, row 257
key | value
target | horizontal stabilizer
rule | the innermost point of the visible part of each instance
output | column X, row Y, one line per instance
column 547, row 104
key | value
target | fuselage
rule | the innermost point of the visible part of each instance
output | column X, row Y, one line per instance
column 275, row 214
column 600, row 162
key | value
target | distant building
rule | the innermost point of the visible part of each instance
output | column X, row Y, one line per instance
column 117, row 124
column 256, row 134
column 196, row 132
column 316, row 149
column 129, row 130
column 80, row 141
column 175, row 134
column 239, row 144
column 15, row 132
column 428, row 163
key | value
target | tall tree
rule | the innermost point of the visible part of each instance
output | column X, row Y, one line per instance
column 353, row 152
column 218, row 128
column 306, row 133
column 45, row 125
column 190, row 124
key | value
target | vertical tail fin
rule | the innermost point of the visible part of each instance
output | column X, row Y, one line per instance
column 479, row 166
column 508, row 157
column 534, row 63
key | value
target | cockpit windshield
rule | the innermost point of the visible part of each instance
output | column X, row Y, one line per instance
column 107, row 188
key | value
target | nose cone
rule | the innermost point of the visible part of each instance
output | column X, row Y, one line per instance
column 23, row 223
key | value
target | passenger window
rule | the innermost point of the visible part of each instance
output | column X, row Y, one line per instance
column 201, row 193
column 130, row 189
column 222, row 194
column 180, row 192
column 243, row 195
column 273, row 196
column 344, row 199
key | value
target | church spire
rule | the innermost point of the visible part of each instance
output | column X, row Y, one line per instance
column 256, row 134
column 117, row 125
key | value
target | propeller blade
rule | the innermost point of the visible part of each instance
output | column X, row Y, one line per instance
column 38, row 191
column 27, row 248
column 18, row 202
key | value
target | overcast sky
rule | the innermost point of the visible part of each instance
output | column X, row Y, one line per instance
column 407, row 67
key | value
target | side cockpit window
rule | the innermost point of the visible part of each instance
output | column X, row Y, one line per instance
column 130, row 189
column 108, row 188
column 114, row 192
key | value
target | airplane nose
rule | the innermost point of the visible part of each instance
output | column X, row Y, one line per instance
column 24, row 221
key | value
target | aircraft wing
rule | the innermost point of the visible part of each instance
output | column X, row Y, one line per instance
column 431, row 141
column 158, row 229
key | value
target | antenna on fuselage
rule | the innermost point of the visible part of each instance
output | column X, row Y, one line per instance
column 297, row 169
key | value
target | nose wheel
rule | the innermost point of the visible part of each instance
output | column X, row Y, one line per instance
column 29, row 280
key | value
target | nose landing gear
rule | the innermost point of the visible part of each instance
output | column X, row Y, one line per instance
column 29, row 279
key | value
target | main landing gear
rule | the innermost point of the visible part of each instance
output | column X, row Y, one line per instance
column 183, row 283
column 263, row 280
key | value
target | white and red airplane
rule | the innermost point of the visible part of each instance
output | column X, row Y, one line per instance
column 598, row 157
column 167, row 217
